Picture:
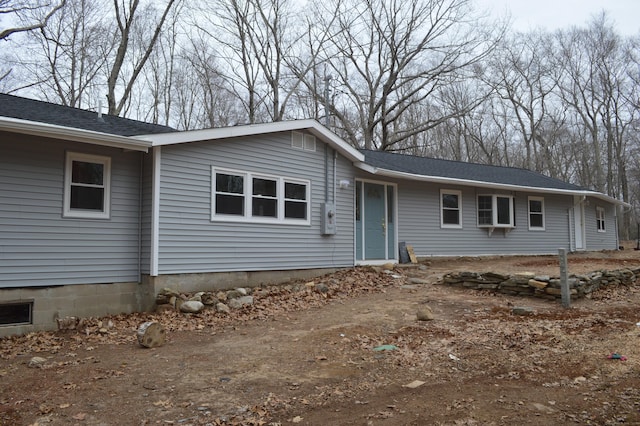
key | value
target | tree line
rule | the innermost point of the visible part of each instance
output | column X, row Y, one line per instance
column 437, row 78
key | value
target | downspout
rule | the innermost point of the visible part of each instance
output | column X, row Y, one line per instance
column 326, row 173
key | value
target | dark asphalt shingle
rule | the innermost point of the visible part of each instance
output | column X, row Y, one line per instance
column 460, row 170
column 45, row 112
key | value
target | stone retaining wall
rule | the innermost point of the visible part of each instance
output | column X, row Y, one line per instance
column 544, row 286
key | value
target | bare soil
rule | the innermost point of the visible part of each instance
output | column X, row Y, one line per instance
column 302, row 356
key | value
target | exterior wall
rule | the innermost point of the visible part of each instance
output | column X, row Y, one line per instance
column 595, row 240
column 38, row 247
column 81, row 301
column 190, row 242
column 419, row 224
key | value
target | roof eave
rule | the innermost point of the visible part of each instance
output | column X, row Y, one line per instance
column 483, row 184
column 312, row 126
column 35, row 128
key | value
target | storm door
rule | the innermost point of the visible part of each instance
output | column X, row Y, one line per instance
column 375, row 224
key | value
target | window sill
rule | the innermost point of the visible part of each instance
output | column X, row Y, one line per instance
column 85, row 215
column 261, row 221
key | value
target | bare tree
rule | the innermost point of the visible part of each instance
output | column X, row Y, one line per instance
column 524, row 76
column 70, row 54
column 386, row 56
column 136, row 38
column 29, row 15
column 259, row 43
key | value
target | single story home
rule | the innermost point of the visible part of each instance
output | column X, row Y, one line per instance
column 98, row 213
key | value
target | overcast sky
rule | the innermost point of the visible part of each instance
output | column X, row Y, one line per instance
column 555, row 14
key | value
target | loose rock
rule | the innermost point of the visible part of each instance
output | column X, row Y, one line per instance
column 425, row 314
column 191, row 307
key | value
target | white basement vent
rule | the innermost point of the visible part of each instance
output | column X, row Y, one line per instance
column 304, row 141
column 16, row 313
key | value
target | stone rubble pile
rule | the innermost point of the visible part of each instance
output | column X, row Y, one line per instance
column 222, row 301
column 544, row 286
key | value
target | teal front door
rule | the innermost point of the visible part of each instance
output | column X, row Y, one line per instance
column 374, row 224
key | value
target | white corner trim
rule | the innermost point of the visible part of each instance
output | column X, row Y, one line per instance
column 155, row 212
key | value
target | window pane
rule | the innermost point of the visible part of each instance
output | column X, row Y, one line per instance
column 295, row 191
column 450, row 201
column 229, row 183
column 295, row 210
column 264, row 187
column 535, row 220
column 504, row 210
column 450, row 217
column 229, row 204
column 267, row 207
column 87, row 173
column 535, row 206
column 484, row 202
column 485, row 217
column 87, row 198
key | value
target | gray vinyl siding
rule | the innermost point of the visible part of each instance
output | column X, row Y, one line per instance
column 419, row 223
column 600, row 240
column 38, row 247
column 419, row 212
column 190, row 242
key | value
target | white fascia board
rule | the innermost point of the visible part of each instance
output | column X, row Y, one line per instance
column 312, row 126
column 483, row 184
column 35, row 128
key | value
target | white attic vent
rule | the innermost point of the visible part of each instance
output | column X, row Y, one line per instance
column 304, row 141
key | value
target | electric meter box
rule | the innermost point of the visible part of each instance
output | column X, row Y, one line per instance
column 328, row 219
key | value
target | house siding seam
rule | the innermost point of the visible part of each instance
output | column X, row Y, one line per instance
column 189, row 242
column 38, row 247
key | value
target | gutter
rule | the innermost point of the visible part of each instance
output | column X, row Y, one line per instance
column 34, row 128
column 482, row 184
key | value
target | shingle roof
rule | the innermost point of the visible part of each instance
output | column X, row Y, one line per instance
column 45, row 112
column 432, row 167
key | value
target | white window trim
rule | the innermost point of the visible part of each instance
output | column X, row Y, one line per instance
column 80, row 213
column 459, row 195
column 529, row 212
column 494, row 212
column 248, row 197
column 600, row 217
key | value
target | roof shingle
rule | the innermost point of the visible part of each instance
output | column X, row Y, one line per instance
column 45, row 112
column 426, row 166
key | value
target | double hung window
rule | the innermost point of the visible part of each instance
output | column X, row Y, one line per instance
column 87, row 181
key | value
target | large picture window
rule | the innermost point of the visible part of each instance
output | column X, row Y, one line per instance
column 536, row 213
column 244, row 196
column 496, row 211
column 87, row 181
column 450, row 209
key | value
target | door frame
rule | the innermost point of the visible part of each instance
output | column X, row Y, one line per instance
column 579, row 229
column 389, row 257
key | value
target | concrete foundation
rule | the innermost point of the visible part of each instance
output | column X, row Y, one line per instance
column 191, row 283
column 98, row 300
column 80, row 300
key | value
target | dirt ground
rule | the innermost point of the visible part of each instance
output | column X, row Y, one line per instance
column 303, row 356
